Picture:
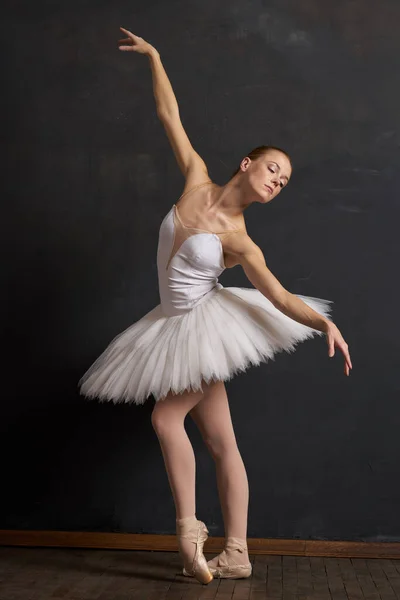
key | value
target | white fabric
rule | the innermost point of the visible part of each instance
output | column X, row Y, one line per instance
column 191, row 276
column 199, row 331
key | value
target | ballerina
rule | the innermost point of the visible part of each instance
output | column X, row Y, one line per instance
column 202, row 334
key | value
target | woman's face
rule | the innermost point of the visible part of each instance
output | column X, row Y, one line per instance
column 267, row 175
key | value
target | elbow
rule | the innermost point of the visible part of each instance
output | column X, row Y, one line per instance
column 165, row 114
column 280, row 299
column 162, row 115
column 261, row 277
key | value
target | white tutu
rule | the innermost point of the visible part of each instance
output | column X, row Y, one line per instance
column 234, row 329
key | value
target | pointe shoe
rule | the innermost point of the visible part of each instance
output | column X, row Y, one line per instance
column 197, row 534
column 227, row 570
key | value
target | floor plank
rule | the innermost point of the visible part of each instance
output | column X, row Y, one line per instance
column 28, row 573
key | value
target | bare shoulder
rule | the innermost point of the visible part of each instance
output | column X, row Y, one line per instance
column 241, row 249
column 196, row 175
column 240, row 243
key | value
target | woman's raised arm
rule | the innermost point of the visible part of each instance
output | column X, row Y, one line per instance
column 188, row 159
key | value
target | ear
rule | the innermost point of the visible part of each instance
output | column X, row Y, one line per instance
column 245, row 163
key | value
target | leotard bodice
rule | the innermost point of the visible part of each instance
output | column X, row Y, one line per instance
column 189, row 262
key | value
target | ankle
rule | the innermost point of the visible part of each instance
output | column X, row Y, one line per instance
column 185, row 520
column 236, row 549
column 235, row 543
column 185, row 524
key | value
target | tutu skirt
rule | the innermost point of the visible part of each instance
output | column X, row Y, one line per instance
column 234, row 329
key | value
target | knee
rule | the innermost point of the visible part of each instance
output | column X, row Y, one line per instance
column 164, row 422
column 158, row 421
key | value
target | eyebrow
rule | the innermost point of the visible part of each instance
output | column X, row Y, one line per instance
column 285, row 176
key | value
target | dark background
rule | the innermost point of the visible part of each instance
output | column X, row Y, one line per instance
column 88, row 175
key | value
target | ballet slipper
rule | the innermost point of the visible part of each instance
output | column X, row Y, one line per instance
column 226, row 567
column 196, row 532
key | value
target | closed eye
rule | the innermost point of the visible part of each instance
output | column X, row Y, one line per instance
column 280, row 183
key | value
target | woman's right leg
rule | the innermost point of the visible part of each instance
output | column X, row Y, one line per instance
column 168, row 419
column 213, row 418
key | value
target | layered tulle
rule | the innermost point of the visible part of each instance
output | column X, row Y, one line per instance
column 234, row 329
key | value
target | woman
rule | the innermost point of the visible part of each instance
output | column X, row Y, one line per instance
column 201, row 333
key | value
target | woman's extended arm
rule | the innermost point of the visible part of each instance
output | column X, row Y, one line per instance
column 189, row 161
column 251, row 258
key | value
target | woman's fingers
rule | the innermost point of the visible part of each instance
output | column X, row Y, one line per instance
column 331, row 343
column 129, row 44
column 134, row 43
column 345, row 350
column 126, row 31
column 132, row 37
column 347, row 362
column 334, row 337
column 346, row 367
column 126, row 41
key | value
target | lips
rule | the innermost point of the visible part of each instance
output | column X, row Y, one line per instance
column 269, row 188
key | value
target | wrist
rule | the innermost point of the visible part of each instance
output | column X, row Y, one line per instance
column 327, row 325
column 153, row 53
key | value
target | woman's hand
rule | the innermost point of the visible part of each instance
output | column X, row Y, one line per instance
column 334, row 338
column 135, row 43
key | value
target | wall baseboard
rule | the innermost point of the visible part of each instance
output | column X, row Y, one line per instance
column 134, row 541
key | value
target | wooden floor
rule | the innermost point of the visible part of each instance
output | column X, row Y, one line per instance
column 82, row 574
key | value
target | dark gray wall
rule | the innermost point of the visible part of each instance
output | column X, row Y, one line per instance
column 88, row 177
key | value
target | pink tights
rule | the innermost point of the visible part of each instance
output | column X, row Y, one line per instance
column 210, row 411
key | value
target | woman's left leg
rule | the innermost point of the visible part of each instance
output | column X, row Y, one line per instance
column 213, row 418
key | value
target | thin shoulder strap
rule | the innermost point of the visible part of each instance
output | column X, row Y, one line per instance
column 226, row 231
column 195, row 187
